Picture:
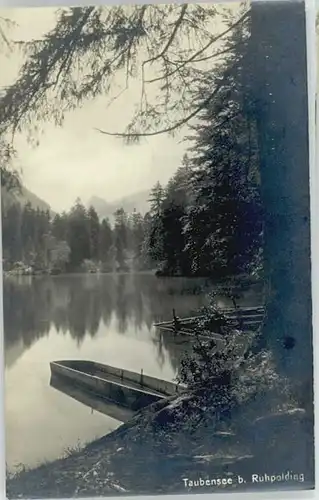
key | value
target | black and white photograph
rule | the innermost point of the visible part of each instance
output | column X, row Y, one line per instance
column 156, row 249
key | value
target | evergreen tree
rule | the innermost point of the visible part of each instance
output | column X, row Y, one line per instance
column 105, row 242
column 223, row 226
column 137, row 236
column 178, row 195
column 79, row 236
column 157, row 196
column 146, row 250
column 156, row 199
column 60, row 226
column 121, row 237
column 42, row 227
column 94, row 233
column 173, row 241
column 179, row 187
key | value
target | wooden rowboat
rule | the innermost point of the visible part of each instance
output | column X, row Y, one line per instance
column 128, row 389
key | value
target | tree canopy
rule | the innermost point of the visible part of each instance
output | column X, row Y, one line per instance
column 161, row 50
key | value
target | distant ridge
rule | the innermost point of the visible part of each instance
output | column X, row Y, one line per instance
column 23, row 196
column 137, row 201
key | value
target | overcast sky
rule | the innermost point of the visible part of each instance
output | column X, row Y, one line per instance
column 76, row 160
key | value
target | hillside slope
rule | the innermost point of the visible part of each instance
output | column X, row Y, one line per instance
column 23, row 197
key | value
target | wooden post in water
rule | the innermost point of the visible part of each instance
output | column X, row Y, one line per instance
column 141, row 381
column 176, row 322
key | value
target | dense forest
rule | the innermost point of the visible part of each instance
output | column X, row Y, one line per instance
column 207, row 220
column 166, row 238
column 72, row 241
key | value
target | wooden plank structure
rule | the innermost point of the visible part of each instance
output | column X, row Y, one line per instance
column 244, row 318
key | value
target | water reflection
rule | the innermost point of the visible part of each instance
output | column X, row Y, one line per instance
column 94, row 402
column 104, row 318
column 78, row 304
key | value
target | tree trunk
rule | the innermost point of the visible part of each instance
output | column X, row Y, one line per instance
column 279, row 82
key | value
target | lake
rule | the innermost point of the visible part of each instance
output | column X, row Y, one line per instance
column 105, row 318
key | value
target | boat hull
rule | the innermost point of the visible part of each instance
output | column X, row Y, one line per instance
column 128, row 389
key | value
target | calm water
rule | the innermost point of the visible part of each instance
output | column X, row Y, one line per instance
column 103, row 318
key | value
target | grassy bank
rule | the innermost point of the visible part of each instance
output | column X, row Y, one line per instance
column 201, row 433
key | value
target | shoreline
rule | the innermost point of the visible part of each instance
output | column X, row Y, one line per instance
column 158, row 448
column 236, row 280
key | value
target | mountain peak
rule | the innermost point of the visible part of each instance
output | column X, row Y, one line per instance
column 136, row 201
